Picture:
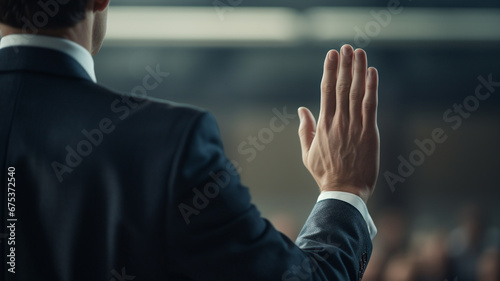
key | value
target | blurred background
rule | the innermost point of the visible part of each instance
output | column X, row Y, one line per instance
column 253, row 63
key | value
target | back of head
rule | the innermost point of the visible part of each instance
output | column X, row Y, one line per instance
column 32, row 15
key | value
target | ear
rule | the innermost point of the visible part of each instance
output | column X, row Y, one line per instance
column 100, row 5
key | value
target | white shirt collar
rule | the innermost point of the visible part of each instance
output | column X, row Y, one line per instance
column 74, row 50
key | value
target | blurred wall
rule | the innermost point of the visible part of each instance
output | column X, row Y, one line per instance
column 419, row 84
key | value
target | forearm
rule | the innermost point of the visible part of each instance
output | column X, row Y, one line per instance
column 334, row 234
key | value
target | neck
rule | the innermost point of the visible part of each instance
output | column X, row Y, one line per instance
column 80, row 33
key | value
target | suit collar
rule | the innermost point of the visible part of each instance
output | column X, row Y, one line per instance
column 41, row 60
column 70, row 48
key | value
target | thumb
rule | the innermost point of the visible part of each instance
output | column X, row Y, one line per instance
column 307, row 130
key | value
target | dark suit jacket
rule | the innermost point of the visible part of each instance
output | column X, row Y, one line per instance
column 111, row 187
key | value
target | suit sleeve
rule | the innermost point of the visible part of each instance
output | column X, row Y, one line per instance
column 216, row 233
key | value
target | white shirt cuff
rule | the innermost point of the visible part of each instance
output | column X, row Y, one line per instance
column 356, row 202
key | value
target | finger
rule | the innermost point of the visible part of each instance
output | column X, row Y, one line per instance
column 358, row 87
column 307, row 131
column 328, row 84
column 344, row 81
column 370, row 100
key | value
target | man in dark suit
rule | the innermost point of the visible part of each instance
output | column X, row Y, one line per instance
column 98, row 185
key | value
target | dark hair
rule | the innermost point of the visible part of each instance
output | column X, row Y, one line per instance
column 31, row 15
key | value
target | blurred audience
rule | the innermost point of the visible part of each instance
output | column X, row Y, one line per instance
column 468, row 251
column 488, row 268
column 400, row 267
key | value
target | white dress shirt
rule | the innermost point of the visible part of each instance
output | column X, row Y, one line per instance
column 72, row 49
column 82, row 56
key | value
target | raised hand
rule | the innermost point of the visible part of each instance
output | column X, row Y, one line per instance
column 342, row 150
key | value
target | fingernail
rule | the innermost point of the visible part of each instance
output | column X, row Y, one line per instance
column 330, row 55
column 347, row 50
column 370, row 72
